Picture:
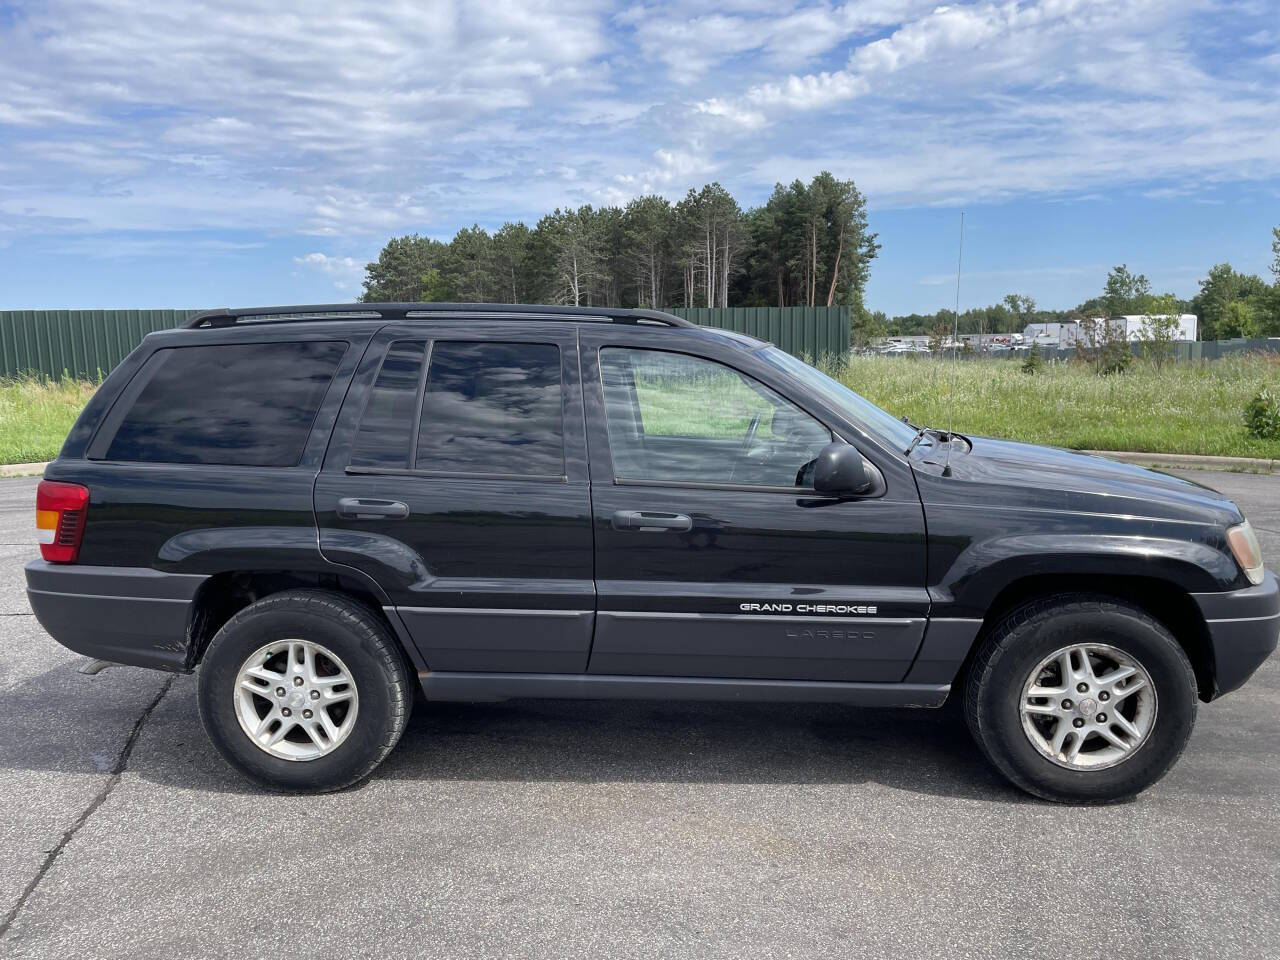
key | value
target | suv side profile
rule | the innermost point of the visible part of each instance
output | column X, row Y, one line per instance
column 319, row 507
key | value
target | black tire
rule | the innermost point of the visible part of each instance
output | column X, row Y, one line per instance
column 1009, row 653
column 362, row 642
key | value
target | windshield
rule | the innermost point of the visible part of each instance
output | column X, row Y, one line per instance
column 856, row 408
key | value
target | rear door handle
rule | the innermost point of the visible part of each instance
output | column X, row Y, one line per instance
column 366, row 508
column 649, row 522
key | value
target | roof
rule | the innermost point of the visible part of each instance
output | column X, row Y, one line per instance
column 226, row 317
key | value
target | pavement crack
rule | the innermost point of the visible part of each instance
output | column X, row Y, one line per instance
column 122, row 761
column 19, row 614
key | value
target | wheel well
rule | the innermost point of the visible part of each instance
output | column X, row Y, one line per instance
column 224, row 595
column 1165, row 602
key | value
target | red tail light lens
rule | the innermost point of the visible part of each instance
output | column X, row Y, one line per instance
column 60, row 513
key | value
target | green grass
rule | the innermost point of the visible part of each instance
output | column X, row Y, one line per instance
column 35, row 416
column 677, row 406
column 1183, row 408
column 1192, row 408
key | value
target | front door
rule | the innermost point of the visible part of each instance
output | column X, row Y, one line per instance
column 457, row 479
column 714, row 556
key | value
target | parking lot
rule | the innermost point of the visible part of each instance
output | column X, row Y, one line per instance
column 555, row 829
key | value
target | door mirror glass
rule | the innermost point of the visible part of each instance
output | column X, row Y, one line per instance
column 841, row 471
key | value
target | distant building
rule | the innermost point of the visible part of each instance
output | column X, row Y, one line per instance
column 1187, row 326
column 1052, row 333
column 1069, row 333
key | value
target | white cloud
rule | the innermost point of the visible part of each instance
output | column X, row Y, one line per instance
column 300, row 116
column 346, row 272
column 994, row 100
column 361, row 119
column 691, row 41
column 322, row 261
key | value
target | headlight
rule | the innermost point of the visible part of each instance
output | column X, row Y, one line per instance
column 1244, row 545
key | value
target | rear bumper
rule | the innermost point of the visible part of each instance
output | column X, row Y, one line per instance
column 1243, row 628
column 131, row 615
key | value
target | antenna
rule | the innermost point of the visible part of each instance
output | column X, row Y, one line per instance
column 955, row 342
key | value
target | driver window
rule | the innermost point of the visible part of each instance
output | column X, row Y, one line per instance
column 681, row 419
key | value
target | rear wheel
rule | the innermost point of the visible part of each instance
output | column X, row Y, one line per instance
column 304, row 690
column 1081, row 699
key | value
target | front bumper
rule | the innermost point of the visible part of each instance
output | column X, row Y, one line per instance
column 132, row 615
column 1243, row 628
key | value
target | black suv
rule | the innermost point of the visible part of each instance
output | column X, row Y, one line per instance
column 318, row 506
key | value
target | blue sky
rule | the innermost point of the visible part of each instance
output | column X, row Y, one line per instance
column 159, row 153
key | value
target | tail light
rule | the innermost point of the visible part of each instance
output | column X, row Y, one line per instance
column 60, row 514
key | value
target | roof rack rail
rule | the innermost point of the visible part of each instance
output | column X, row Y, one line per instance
column 226, row 317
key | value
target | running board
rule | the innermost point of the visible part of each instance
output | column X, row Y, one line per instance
column 490, row 687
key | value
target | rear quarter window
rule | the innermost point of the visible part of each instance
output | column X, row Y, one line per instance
column 392, row 408
column 249, row 404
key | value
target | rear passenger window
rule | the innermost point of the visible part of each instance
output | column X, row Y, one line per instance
column 492, row 408
column 387, row 424
column 248, row 404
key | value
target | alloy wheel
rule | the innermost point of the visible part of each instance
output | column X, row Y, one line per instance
column 295, row 699
column 1088, row 706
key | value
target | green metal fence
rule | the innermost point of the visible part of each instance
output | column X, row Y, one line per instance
column 811, row 332
column 78, row 343
column 88, row 343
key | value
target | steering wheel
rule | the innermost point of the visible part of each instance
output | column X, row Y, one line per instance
column 746, row 446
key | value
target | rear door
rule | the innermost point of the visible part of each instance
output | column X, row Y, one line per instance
column 457, row 478
column 714, row 556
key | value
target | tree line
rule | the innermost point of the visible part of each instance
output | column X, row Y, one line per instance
column 1229, row 304
column 808, row 245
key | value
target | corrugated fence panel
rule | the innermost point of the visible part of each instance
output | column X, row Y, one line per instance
column 811, row 332
column 79, row 343
column 89, row 343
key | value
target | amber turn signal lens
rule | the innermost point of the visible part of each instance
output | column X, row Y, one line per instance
column 1244, row 547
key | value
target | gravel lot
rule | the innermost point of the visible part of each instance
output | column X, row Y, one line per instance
column 611, row 829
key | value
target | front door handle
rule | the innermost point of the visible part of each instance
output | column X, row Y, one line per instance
column 366, row 508
column 647, row 521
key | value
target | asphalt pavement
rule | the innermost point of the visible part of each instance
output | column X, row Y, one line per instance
column 556, row 829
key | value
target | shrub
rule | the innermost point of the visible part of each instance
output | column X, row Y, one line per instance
column 1262, row 415
column 1034, row 360
column 1115, row 357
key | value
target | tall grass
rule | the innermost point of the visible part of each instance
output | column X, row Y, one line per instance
column 1180, row 408
column 676, row 405
column 35, row 415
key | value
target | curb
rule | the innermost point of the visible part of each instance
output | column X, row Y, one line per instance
column 22, row 469
column 1188, row 461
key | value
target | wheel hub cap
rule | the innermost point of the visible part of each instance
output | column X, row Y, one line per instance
column 1088, row 706
column 295, row 699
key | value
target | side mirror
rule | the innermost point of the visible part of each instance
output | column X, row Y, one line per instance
column 840, row 471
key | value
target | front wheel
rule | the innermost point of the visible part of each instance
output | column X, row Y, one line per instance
column 1081, row 699
column 304, row 690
